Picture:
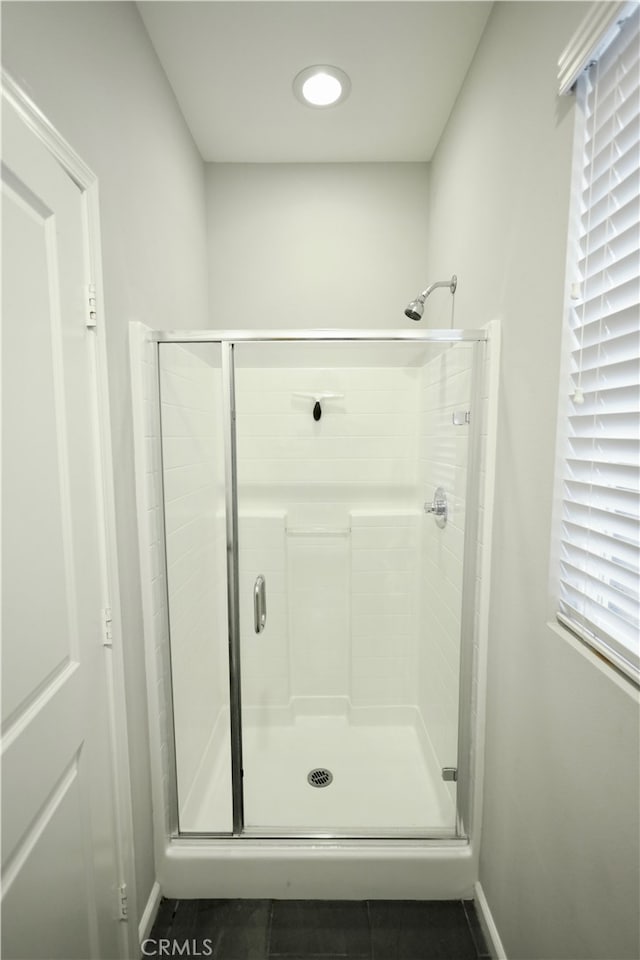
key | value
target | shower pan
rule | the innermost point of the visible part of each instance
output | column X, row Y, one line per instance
column 312, row 619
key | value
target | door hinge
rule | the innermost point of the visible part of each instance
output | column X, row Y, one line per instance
column 123, row 903
column 91, row 312
column 450, row 773
column 107, row 632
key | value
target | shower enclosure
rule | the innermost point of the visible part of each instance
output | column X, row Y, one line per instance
column 316, row 501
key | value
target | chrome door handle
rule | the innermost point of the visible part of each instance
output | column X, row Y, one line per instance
column 260, row 604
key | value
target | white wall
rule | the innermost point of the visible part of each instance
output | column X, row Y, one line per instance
column 91, row 69
column 316, row 245
column 559, row 857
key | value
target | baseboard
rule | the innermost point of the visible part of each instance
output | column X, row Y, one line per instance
column 150, row 912
column 488, row 924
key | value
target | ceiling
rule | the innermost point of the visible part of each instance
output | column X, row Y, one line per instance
column 231, row 64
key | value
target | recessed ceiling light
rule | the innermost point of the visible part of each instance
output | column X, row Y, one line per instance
column 321, row 86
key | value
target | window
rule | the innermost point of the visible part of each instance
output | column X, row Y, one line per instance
column 599, row 523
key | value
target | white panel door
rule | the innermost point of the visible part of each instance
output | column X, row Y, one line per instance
column 59, row 872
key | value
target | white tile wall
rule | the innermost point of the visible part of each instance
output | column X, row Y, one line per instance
column 384, row 565
column 367, row 438
column 341, row 610
column 406, row 575
column 363, row 450
column 318, row 574
column 193, row 474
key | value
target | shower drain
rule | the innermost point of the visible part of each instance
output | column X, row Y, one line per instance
column 320, row 777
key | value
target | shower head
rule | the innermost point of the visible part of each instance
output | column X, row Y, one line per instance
column 415, row 309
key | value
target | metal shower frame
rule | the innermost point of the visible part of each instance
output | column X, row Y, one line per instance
column 227, row 340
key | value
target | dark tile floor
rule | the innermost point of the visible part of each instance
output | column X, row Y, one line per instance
column 314, row 929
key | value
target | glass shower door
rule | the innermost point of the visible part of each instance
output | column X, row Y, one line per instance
column 350, row 592
column 192, row 429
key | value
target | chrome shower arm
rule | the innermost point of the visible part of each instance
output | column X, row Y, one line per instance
column 452, row 284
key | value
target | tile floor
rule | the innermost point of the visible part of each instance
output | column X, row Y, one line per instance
column 315, row 929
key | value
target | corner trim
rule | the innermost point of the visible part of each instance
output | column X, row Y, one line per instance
column 149, row 913
column 488, row 925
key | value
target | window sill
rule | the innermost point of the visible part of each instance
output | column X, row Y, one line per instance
column 597, row 659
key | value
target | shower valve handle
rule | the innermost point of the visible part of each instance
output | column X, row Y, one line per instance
column 439, row 507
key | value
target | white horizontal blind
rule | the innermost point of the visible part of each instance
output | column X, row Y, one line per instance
column 599, row 556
